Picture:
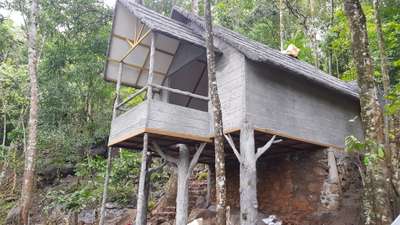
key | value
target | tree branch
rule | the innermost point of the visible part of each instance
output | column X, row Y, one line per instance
column 168, row 158
column 153, row 170
column 264, row 148
column 232, row 144
column 195, row 158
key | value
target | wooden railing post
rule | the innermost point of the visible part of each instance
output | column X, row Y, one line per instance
column 142, row 197
column 117, row 92
column 151, row 65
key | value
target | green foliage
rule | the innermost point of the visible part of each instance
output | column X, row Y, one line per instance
column 394, row 101
column 91, row 173
column 371, row 150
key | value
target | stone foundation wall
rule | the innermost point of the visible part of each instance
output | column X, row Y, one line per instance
column 290, row 187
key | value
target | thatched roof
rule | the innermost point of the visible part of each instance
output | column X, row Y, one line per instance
column 261, row 53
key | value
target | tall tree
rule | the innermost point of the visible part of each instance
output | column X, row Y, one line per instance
column 384, row 61
column 30, row 153
column 281, row 25
column 376, row 199
column 217, row 115
column 195, row 7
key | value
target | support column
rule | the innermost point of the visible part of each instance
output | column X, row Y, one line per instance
column 184, row 167
column 182, row 198
column 151, row 64
column 248, row 177
column 247, row 158
column 331, row 188
column 142, row 197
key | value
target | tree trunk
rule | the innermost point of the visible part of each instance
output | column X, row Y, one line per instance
column 184, row 170
column 248, row 177
column 281, row 25
column 182, row 198
column 313, row 33
column 381, row 44
column 30, row 154
column 4, row 127
column 105, row 188
column 376, row 202
column 384, row 64
column 142, row 197
column 392, row 159
column 217, row 117
column 139, row 2
column 195, row 7
column 330, row 54
column 210, row 184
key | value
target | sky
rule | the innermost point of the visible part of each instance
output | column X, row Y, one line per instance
column 17, row 18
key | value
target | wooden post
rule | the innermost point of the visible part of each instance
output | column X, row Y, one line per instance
column 248, row 171
column 142, row 197
column 110, row 149
column 151, row 65
column 117, row 92
column 184, row 170
column 105, row 188
column 182, row 198
column 248, row 177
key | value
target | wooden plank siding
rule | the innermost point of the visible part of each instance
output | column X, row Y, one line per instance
column 160, row 118
column 178, row 119
column 285, row 103
column 230, row 79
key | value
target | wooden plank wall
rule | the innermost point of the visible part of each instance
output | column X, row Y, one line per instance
column 287, row 103
column 178, row 119
column 128, row 122
column 231, row 83
column 163, row 118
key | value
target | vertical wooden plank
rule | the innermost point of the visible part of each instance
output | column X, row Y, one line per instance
column 117, row 90
column 141, row 213
column 248, row 176
column 151, row 65
column 182, row 197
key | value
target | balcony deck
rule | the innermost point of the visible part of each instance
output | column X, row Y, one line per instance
column 160, row 119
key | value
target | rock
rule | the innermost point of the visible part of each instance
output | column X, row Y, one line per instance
column 60, row 217
column 13, row 216
column 201, row 213
column 196, row 222
column 166, row 223
column 87, row 217
column 48, row 175
column 120, row 216
column 272, row 220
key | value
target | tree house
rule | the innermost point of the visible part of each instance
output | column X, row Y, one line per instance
column 164, row 58
column 278, row 94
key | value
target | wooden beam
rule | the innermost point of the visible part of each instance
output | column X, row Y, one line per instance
column 130, row 97
column 140, row 33
column 137, row 132
column 151, row 65
column 135, row 66
column 196, row 85
column 118, row 86
column 177, row 91
column 135, row 45
column 141, row 70
column 142, row 44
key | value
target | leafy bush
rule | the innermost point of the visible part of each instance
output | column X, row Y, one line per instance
column 91, row 173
